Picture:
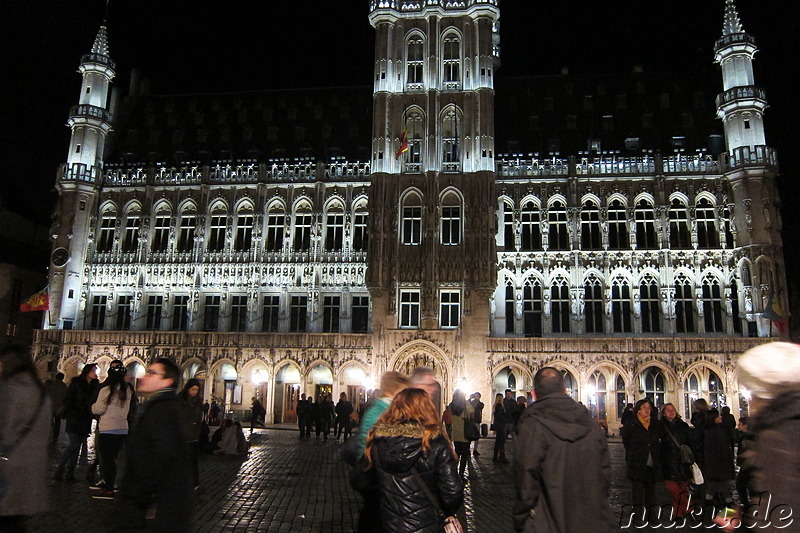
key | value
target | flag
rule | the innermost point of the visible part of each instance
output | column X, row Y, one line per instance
column 38, row 302
column 403, row 144
column 774, row 313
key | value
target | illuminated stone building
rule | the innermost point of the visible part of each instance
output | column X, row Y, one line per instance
column 268, row 262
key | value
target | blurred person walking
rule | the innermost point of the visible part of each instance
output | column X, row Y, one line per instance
column 115, row 406
column 344, row 409
column 461, row 411
column 301, row 410
column 57, row 390
column 642, row 441
column 24, row 429
column 561, row 463
column 410, row 462
column 78, row 402
column 718, row 470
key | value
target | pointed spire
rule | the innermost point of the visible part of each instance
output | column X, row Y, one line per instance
column 732, row 24
column 100, row 46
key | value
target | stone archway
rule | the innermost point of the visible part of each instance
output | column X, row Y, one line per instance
column 418, row 354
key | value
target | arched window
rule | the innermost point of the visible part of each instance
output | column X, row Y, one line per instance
column 646, row 238
column 450, row 139
column 412, row 219
column 531, row 238
column 691, row 392
column 532, row 308
column 451, row 61
column 133, row 221
column 360, row 229
column 679, row 225
column 622, row 395
column 684, row 305
column 653, row 386
column 570, row 384
column 415, row 132
column 737, row 320
column 559, row 305
column 706, row 217
column 509, row 243
column 244, row 229
column 621, row 305
column 108, row 224
column 415, row 62
column 593, row 304
column 303, row 220
column 596, row 395
column 510, row 308
column 650, row 308
column 216, row 228
column 712, row 305
column 451, row 220
column 334, row 227
column 161, row 227
column 557, row 226
column 747, row 275
column 716, row 391
column 187, row 229
column 276, row 220
column 618, row 226
column 590, row 227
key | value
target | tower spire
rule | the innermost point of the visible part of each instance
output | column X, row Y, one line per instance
column 731, row 24
column 100, row 46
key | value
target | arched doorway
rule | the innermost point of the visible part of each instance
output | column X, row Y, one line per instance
column 654, row 386
column 195, row 370
column 287, row 393
column 423, row 355
column 231, row 391
column 355, row 383
column 322, row 379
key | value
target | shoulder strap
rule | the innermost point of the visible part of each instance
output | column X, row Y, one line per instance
column 426, row 489
column 666, row 428
column 25, row 429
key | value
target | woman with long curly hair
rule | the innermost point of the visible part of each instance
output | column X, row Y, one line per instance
column 407, row 446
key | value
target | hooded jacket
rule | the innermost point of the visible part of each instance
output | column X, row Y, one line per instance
column 562, row 469
column 404, row 505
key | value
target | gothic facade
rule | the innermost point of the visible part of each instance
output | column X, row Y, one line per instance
column 636, row 275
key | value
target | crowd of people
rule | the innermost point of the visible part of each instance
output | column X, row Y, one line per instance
column 410, row 463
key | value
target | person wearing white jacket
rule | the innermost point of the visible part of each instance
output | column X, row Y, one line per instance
column 113, row 405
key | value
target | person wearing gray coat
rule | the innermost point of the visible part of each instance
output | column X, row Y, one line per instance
column 24, row 430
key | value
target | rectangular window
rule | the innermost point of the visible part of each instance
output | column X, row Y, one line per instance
column 124, row 312
column 509, row 243
column 593, row 308
column 131, row 240
column 451, row 226
column 712, row 309
column 360, row 313
column 180, row 313
column 330, row 314
column 510, row 314
column 244, row 233
column 298, row 311
column 186, row 235
column 648, row 294
column 98, row 312
column 216, row 233
column 302, row 232
column 412, row 225
column 684, row 310
column 238, row 313
column 105, row 241
column 275, row 232
column 621, row 308
column 645, row 228
column 679, row 226
column 334, row 232
column 271, row 314
column 360, row 235
column 409, row 309
column 532, row 311
column 558, row 231
column 449, row 309
column 155, row 306
column 161, row 233
column 559, row 308
column 531, row 236
column 211, row 313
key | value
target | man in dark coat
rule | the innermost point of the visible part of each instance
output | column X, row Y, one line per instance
column 302, row 415
column 81, row 394
column 58, row 391
column 158, row 468
column 562, row 464
column 343, row 411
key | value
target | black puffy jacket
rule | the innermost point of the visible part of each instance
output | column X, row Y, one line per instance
column 404, row 506
column 639, row 443
column 673, row 468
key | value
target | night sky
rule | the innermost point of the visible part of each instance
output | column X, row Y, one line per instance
column 192, row 47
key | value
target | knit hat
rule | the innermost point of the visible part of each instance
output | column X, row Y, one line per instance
column 770, row 369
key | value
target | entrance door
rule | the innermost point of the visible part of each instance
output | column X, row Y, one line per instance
column 323, row 390
column 357, row 396
column 290, row 398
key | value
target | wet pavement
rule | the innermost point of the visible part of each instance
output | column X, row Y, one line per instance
column 290, row 485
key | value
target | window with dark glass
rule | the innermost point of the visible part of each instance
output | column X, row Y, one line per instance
column 451, row 59
column 412, row 225
column 155, row 307
column 124, row 312
column 211, row 313
column 409, row 309
column 737, row 320
column 706, row 216
column 728, row 226
column 451, row 225
column 275, row 223
column 98, row 312
column 331, row 307
column 653, row 386
column 180, row 313
column 559, row 306
column 531, row 238
column 244, row 232
column 130, row 242
column 238, row 313
column 105, row 240
column 712, row 306
column 590, row 227
column 161, row 233
column 449, row 309
column 510, row 311
column 650, row 308
column 684, row 309
column 509, row 243
column 186, row 235
column 532, row 310
column 302, row 231
column 679, row 237
column 415, row 61
column 621, row 306
column 450, row 137
column 334, row 231
column 593, row 305
column 271, row 313
column 360, row 234
column 557, row 227
column 618, row 226
column 360, row 313
column 298, row 310
column 646, row 238
column 216, row 233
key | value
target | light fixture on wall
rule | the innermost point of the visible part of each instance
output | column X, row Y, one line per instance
column 258, row 377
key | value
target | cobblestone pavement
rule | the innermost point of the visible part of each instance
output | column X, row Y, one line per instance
column 289, row 485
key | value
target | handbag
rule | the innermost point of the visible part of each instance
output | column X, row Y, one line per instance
column 687, row 456
column 697, row 475
column 471, row 432
column 451, row 523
